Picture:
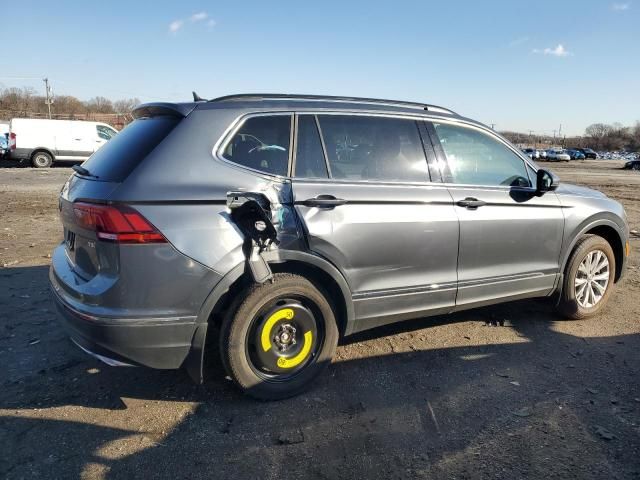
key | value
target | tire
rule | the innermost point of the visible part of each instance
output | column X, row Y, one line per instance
column 571, row 303
column 41, row 159
column 254, row 335
column 635, row 166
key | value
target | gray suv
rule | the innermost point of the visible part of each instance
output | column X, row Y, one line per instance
column 265, row 227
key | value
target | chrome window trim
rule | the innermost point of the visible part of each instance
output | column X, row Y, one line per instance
column 232, row 129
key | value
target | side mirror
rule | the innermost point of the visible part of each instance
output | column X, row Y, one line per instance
column 546, row 181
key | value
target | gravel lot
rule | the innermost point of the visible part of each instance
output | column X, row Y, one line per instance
column 445, row 397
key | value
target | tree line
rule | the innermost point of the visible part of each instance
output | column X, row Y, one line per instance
column 598, row 136
column 25, row 102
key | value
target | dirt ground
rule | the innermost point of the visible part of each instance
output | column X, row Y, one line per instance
column 444, row 397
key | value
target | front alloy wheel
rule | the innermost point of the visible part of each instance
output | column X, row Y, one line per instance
column 592, row 279
column 588, row 278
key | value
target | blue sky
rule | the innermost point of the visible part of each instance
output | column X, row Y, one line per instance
column 519, row 64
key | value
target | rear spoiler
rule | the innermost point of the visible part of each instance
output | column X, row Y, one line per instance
column 160, row 108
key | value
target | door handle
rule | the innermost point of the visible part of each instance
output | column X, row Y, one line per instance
column 471, row 203
column 324, row 201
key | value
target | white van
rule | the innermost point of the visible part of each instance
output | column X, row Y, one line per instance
column 46, row 141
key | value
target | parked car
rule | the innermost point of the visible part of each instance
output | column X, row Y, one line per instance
column 632, row 165
column 532, row 153
column 587, row 152
column 616, row 155
column 575, row 154
column 4, row 146
column 557, row 155
column 542, row 154
column 273, row 225
column 43, row 142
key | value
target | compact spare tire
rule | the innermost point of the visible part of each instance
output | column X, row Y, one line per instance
column 278, row 337
column 589, row 278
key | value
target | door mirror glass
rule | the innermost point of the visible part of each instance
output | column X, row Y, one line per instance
column 546, row 181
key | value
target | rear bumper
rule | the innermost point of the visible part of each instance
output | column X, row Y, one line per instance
column 20, row 154
column 152, row 342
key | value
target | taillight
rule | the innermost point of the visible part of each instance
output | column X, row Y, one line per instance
column 119, row 224
column 12, row 141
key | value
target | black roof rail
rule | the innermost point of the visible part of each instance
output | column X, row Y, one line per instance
column 330, row 98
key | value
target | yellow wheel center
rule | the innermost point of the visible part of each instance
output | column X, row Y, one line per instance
column 266, row 344
column 301, row 356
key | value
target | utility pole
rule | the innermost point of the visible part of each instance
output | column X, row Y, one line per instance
column 560, row 131
column 493, row 126
column 49, row 94
column 530, row 132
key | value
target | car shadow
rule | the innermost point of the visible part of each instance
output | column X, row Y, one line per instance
column 485, row 410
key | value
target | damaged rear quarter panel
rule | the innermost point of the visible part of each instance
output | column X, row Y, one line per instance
column 181, row 188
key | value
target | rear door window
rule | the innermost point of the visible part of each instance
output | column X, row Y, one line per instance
column 262, row 143
column 373, row 148
column 118, row 157
column 310, row 161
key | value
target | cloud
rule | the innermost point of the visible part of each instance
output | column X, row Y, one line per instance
column 620, row 7
column 518, row 41
column 195, row 18
column 559, row 51
column 175, row 25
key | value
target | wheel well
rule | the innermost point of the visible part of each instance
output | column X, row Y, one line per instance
column 612, row 237
column 322, row 280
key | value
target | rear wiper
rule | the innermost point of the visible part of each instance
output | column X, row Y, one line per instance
column 83, row 171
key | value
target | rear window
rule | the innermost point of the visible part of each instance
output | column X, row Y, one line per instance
column 119, row 156
column 262, row 143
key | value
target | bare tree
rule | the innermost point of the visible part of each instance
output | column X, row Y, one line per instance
column 125, row 105
column 598, row 132
column 99, row 105
column 66, row 104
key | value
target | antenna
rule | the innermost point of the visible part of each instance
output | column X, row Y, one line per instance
column 198, row 98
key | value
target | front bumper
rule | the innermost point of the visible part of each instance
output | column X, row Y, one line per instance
column 152, row 342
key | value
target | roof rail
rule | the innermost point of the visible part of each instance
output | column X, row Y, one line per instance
column 330, row 98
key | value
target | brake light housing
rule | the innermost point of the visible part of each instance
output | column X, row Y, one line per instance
column 12, row 141
column 116, row 223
